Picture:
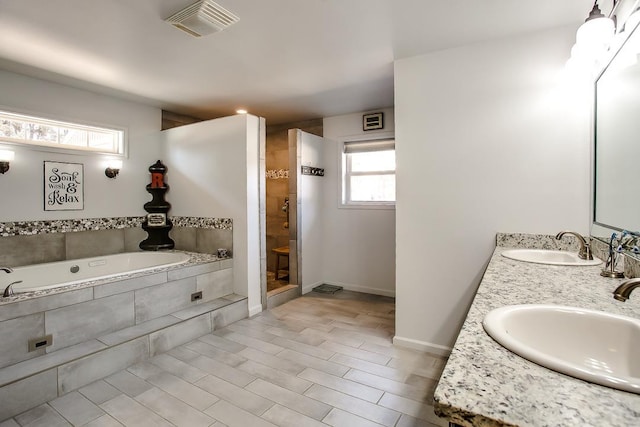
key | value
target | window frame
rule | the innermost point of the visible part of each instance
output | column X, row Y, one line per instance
column 44, row 119
column 345, row 174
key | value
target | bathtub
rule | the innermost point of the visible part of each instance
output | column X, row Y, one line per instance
column 39, row 277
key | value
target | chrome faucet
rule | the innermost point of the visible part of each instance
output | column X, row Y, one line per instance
column 8, row 291
column 623, row 291
column 585, row 248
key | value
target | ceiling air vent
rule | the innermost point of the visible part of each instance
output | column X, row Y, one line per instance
column 202, row 18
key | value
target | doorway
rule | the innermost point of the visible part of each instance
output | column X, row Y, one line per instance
column 282, row 274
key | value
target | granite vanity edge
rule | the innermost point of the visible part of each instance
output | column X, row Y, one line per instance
column 484, row 384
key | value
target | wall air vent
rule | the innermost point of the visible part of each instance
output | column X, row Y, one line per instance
column 202, row 18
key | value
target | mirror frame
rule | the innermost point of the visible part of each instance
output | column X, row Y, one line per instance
column 599, row 227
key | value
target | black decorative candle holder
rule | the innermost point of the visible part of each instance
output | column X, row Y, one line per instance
column 157, row 224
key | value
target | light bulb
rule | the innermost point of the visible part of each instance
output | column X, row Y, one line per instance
column 632, row 21
column 6, row 155
column 114, row 164
column 597, row 30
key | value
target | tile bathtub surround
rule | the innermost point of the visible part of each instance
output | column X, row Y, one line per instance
column 27, row 228
column 202, row 222
column 21, row 391
column 86, row 244
column 222, row 378
column 203, row 240
column 173, row 272
column 35, row 249
column 114, row 305
column 103, row 346
column 35, row 242
column 485, row 384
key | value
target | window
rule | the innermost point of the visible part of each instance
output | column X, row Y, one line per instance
column 369, row 173
column 21, row 129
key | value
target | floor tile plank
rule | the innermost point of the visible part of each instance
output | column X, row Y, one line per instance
column 297, row 402
column 364, row 409
column 346, row 386
column 235, row 395
column 313, row 361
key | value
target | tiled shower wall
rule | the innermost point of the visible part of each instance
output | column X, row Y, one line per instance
column 34, row 242
column 277, row 189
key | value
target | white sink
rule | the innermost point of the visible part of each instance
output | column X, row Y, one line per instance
column 591, row 345
column 542, row 256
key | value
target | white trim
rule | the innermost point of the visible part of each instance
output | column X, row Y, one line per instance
column 351, row 287
column 256, row 309
column 344, row 190
column 437, row 349
column 380, row 205
column 308, row 288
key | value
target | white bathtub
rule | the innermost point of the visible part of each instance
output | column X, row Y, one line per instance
column 62, row 273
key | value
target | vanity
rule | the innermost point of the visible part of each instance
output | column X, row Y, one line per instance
column 484, row 384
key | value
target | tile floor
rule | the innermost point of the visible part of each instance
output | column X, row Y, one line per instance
column 315, row 361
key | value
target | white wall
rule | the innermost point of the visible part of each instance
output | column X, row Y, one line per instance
column 359, row 244
column 487, row 140
column 213, row 172
column 21, row 189
column 310, row 212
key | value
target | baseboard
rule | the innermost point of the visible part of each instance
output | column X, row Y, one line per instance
column 427, row 347
column 354, row 288
column 309, row 288
column 255, row 310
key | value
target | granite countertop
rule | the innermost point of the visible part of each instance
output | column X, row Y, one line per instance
column 484, row 384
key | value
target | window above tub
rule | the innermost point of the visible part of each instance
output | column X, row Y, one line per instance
column 22, row 129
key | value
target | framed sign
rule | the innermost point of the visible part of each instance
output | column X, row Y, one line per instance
column 63, row 186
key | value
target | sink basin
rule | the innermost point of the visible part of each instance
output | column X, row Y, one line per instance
column 542, row 256
column 594, row 346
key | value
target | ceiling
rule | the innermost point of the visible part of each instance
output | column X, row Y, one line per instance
column 286, row 60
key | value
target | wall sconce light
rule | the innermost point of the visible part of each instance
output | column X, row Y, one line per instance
column 6, row 156
column 113, row 168
column 597, row 30
column 593, row 39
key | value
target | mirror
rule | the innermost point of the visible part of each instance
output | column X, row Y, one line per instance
column 617, row 143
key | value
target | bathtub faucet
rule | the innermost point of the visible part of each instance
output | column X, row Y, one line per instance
column 8, row 291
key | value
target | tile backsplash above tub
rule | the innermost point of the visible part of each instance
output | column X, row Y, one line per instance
column 35, row 242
